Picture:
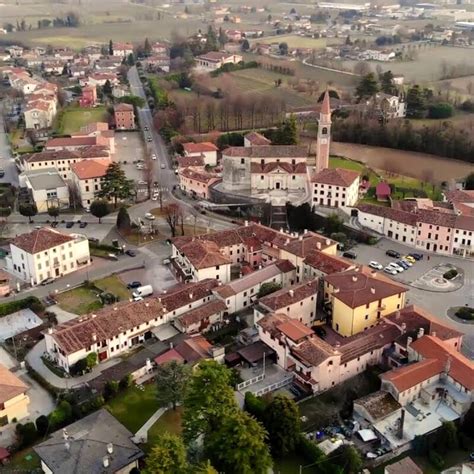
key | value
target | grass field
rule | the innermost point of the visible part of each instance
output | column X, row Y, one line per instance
column 294, row 41
column 73, row 118
column 79, row 300
column 133, row 407
column 23, row 461
column 114, row 285
column 170, row 421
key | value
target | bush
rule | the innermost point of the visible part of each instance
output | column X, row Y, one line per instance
column 26, row 433
column 255, row 405
column 42, row 425
column 450, row 274
column 110, row 390
column 436, row 459
column 125, row 382
column 466, row 313
column 440, row 111
column 309, row 450
column 31, row 302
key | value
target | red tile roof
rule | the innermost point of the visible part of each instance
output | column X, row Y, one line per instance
column 313, row 351
column 201, row 313
column 336, row 177
column 88, row 169
column 267, row 151
column 202, row 253
column 70, row 142
column 86, row 152
column 291, row 295
column 404, row 217
column 327, row 264
column 123, row 107
column 193, row 148
column 10, row 385
column 40, row 240
column 194, row 349
column 184, row 294
column 257, row 139
column 201, row 176
column 168, row 356
column 187, row 161
column 294, row 329
column 383, row 189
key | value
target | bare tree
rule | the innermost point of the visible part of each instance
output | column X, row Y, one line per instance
column 173, row 215
column 362, row 68
column 149, row 173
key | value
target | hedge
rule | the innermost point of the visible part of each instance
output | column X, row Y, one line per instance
column 31, row 302
column 450, row 274
column 465, row 313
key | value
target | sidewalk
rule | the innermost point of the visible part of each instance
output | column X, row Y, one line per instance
column 141, row 436
column 34, row 359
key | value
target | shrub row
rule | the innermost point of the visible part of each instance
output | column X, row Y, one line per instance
column 31, row 302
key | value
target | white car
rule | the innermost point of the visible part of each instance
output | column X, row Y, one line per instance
column 140, row 166
column 154, row 197
column 150, row 216
column 390, row 270
column 142, row 183
column 153, row 156
column 396, row 267
column 375, row 265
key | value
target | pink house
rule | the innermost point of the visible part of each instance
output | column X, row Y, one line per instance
column 383, row 191
column 196, row 183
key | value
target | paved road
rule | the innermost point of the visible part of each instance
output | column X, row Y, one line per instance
column 6, row 159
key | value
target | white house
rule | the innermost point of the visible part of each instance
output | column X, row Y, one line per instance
column 215, row 59
column 46, row 253
column 207, row 150
column 47, row 187
column 335, row 187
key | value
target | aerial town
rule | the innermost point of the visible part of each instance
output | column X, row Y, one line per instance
column 236, row 237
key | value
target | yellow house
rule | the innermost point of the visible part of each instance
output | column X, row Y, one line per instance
column 13, row 399
column 359, row 298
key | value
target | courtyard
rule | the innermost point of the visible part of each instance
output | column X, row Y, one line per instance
column 73, row 118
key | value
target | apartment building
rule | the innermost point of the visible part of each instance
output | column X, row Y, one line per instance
column 40, row 112
column 196, row 183
column 46, row 253
column 335, row 187
column 87, row 176
column 124, row 117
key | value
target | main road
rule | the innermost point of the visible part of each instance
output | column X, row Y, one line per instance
column 7, row 162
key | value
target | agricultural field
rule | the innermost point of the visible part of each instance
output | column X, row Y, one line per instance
column 72, row 119
column 295, row 41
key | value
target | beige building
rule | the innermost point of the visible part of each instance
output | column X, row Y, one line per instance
column 215, row 59
column 46, row 253
column 40, row 112
column 87, row 176
column 335, row 187
column 207, row 150
column 13, row 398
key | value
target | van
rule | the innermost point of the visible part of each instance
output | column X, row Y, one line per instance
column 142, row 291
column 350, row 254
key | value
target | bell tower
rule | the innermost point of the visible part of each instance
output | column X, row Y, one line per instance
column 324, row 134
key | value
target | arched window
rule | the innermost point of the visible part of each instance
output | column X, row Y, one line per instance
column 324, row 131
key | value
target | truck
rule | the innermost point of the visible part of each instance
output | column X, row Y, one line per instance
column 142, row 291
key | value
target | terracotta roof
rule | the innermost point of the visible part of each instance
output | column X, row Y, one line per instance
column 215, row 56
column 267, row 151
column 404, row 466
column 40, row 239
column 201, row 176
column 257, row 139
column 186, row 161
column 88, row 169
column 202, row 147
column 194, row 349
column 355, row 288
column 106, row 323
column 291, row 295
column 294, row 329
column 313, row 351
column 383, row 189
column 202, row 253
column 184, row 294
column 168, row 356
column 410, row 375
column 86, row 152
column 463, row 196
column 436, row 218
column 10, row 385
column 461, row 368
column 201, row 313
column 259, row 168
column 270, row 323
column 379, row 405
column 336, row 177
column 123, row 107
column 408, row 218
column 307, row 244
column 71, row 141
column 327, row 264
column 464, row 223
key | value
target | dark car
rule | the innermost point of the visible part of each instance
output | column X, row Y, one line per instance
column 134, row 284
column 416, row 256
column 393, row 253
column 131, row 253
column 69, row 224
column 93, row 240
column 82, row 225
column 350, row 254
column 54, row 224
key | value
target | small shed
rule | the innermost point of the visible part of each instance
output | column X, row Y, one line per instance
column 383, row 191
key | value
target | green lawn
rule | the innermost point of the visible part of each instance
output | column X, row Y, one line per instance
column 294, row 41
column 291, row 465
column 133, row 407
column 24, row 461
column 170, row 421
column 73, row 118
column 338, row 162
column 113, row 284
column 79, row 300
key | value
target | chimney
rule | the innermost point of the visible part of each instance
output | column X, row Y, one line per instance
column 372, row 290
column 300, row 237
column 50, row 330
column 94, row 336
column 328, row 242
column 354, row 278
column 292, row 293
column 110, row 446
column 421, row 333
column 402, row 422
column 409, row 341
column 115, row 308
column 246, row 223
column 190, row 296
column 433, row 333
column 318, row 245
column 338, row 345
column 404, row 328
column 147, row 304
column 287, row 241
column 306, row 231
column 165, row 291
column 397, row 316
column 282, row 230
column 105, row 461
column 171, row 345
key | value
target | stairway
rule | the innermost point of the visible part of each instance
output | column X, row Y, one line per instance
column 278, row 218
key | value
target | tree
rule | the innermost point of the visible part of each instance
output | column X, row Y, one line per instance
column 238, row 446
column 111, row 388
column 171, row 379
column 209, row 398
column 111, row 48
column 134, row 100
column 416, row 105
column 469, row 182
column 362, row 68
column 222, row 38
column 100, row 208
column 333, row 224
column 115, row 184
column 147, row 47
column 447, row 437
column 255, row 406
column 245, row 45
column 168, row 456
column 42, row 425
column 107, row 88
column 440, row 110
column 130, row 60
column 91, row 360
column 367, row 87
column 287, row 133
column 349, row 459
column 282, row 421
column 283, row 48
column 123, row 220
column 386, row 83
column 172, row 213
column 53, row 211
column 28, row 210
column 126, row 381
column 205, row 468
column 267, row 288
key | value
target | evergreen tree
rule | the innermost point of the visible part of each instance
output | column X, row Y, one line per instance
column 107, row 88
column 416, row 104
column 386, row 83
column 123, row 220
column 111, row 48
column 287, row 133
column 147, row 47
column 115, row 184
column 171, row 379
column 367, row 87
column 28, row 210
column 130, row 60
column 222, row 38
column 211, row 43
column 53, row 211
column 469, row 186
column 245, row 45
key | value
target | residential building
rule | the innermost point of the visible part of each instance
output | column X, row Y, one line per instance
column 335, row 187
column 88, row 96
column 383, row 191
column 40, row 112
column 159, row 48
column 87, row 176
column 207, row 150
column 243, row 293
column 5, row 288
column 233, row 35
column 215, row 59
column 390, row 106
column 255, row 139
column 93, row 444
column 196, row 183
column 122, row 50
column 192, row 162
column 76, row 142
column 297, row 301
column 360, row 298
column 202, row 318
column 46, row 253
column 99, row 78
column 404, row 466
column 47, row 188
column 13, row 398
column 62, row 159
column 319, row 264
column 124, row 117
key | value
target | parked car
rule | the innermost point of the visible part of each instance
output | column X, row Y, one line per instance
column 48, row 281
column 154, row 197
column 131, row 253
column 163, row 166
column 153, row 156
column 142, row 183
column 150, row 216
column 390, row 270
column 145, row 128
column 409, row 258
column 375, row 265
column 402, row 264
column 393, row 253
column 140, row 166
column 142, row 291
column 350, row 254
column 82, row 225
column 406, row 262
column 54, row 224
column 2, row 172
column 133, row 284
column 416, row 256
column 69, row 224
column 93, row 240
column 396, row 267
column 148, row 139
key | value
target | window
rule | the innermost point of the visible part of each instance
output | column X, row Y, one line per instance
column 366, row 316
column 242, row 161
column 217, row 267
